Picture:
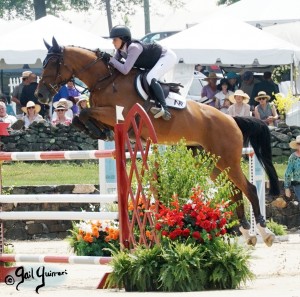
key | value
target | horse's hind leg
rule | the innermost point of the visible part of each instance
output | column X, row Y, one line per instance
column 237, row 177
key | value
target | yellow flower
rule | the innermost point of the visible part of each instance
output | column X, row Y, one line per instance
column 284, row 103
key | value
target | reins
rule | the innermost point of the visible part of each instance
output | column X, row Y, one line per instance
column 60, row 60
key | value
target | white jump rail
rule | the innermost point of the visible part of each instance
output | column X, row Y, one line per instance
column 59, row 198
column 57, row 215
column 56, row 155
column 54, row 259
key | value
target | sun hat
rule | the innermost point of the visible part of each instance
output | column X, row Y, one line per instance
column 37, row 107
column 231, row 75
column 262, row 94
column 211, row 75
column 293, row 144
column 61, row 107
column 247, row 75
column 63, row 101
column 82, row 98
column 239, row 93
column 26, row 74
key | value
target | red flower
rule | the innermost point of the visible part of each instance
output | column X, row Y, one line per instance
column 186, row 233
column 158, row 226
column 196, row 235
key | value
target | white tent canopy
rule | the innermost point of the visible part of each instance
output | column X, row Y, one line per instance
column 25, row 45
column 288, row 32
column 262, row 12
column 210, row 42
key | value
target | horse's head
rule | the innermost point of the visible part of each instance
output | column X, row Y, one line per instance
column 54, row 74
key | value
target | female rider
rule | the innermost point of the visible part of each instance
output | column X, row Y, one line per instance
column 151, row 57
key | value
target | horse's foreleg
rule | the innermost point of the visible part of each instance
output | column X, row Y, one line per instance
column 244, row 225
column 94, row 127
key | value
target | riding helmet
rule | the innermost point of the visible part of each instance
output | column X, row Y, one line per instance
column 120, row 31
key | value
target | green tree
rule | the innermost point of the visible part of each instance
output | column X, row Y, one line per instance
column 226, row 2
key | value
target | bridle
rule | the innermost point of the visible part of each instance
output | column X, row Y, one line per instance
column 59, row 60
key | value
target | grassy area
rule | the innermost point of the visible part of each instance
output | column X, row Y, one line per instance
column 63, row 173
column 55, row 173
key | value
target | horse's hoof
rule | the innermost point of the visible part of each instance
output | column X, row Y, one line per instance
column 252, row 240
column 269, row 239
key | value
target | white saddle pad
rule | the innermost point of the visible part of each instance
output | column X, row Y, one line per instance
column 173, row 100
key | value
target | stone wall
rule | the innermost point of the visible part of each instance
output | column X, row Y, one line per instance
column 280, row 139
column 44, row 137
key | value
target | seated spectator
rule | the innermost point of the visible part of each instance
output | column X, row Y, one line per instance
column 233, row 81
column 222, row 97
column 267, row 85
column 209, row 91
column 6, row 118
column 82, row 103
column 9, row 108
column 265, row 111
column 61, row 117
column 73, row 95
column 68, row 105
column 31, row 114
column 239, row 106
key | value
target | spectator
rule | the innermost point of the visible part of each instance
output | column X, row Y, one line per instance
column 82, row 103
column 5, row 118
column 202, row 69
column 68, row 105
column 265, row 111
column 248, row 82
column 61, row 118
column 31, row 114
column 16, row 94
column 222, row 97
column 239, row 106
column 233, row 81
column 62, row 93
column 292, row 173
column 209, row 91
column 9, row 109
column 73, row 95
column 28, row 95
column 266, row 85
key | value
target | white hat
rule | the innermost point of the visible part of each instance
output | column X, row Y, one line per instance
column 82, row 98
column 63, row 101
column 31, row 104
column 239, row 93
column 294, row 143
column 26, row 74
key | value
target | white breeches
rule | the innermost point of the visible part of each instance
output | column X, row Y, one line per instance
column 163, row 65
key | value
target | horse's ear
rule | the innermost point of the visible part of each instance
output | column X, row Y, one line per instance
column 55, row 46
column 48, row 46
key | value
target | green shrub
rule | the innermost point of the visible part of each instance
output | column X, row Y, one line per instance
column 181, row 267
column 276, row 228
column 9, row 249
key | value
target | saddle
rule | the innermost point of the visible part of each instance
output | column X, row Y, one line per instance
column 171, row 91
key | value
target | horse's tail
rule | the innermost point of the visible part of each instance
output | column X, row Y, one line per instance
column 258, row 133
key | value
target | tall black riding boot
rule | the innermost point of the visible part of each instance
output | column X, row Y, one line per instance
column 159, row 95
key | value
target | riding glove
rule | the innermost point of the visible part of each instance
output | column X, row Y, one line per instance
column 106, row 57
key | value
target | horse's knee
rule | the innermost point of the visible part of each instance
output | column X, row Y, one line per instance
column 84, row 115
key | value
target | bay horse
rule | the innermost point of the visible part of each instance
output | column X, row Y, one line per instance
column 199, row 124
